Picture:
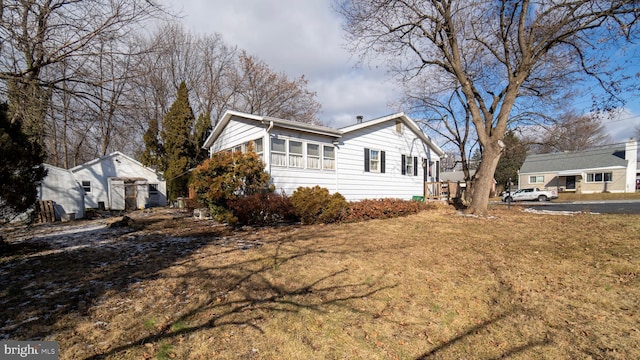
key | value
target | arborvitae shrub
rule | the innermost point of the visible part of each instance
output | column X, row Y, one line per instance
column 263, row 209
column 316, row 205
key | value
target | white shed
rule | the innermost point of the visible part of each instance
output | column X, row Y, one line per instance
column 118, row 182
column 67, row 195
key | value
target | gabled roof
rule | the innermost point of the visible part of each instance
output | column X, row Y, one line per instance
column 267, row 121
column 316, row 129
column 397, row 116
column 113, row 154
column 602, row 157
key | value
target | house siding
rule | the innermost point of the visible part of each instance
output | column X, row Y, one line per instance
column 60, row 186
column 554, row 182
column 357, row 184
column 237, row 132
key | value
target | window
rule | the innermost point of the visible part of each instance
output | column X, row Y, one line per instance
column 374, row 160
column 86, row 186
column 328, row 157
column 536, row 179
column 278, row 152
column 153, row 189
column 600, row 177
column 295, row 154
column 409, row 165
column 259, row 147
column 313, row 156
column 238, row 148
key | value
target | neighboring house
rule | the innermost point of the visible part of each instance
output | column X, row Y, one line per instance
column 62, row 188
column 610, row 168
column 388, row 157
column 118, row 182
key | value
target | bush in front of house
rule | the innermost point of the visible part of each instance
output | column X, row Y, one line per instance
column 315, row 205
column 262, row 209
column 226, row 177
column 382, row 209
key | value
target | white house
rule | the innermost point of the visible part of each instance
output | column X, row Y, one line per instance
column 118, row 182
column 61, row 187
column 387, row 157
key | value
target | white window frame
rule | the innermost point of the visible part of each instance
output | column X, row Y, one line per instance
column 328, row 162
column 258, row 147
column 535, row 179
column 408, row 165
column 278, row 158
column 377, row 161
column 296, row 160
column 592, row 177
column 314, row 162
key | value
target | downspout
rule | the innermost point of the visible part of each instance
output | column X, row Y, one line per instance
column 268, row 146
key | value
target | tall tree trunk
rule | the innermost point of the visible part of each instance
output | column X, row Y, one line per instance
column 483, row 182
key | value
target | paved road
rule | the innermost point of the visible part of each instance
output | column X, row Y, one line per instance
column 603, row 207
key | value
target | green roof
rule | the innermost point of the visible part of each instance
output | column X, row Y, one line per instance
column 606, row 156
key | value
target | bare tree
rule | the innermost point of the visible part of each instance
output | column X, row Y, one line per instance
column 572, row 132
column 38, row 34
column 496, row 53
column 264, row 92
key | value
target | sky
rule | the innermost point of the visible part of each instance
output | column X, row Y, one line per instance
column 305, row 37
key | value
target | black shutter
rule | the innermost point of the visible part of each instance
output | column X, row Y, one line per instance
column 366, row 160
column 437, row 170
column 415, row 166
column 404, row 165
column 382, row 162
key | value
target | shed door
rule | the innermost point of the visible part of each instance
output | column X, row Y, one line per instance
column 116, row 194
column 130, row 195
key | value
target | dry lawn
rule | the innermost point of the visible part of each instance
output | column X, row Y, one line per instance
column 436, row 285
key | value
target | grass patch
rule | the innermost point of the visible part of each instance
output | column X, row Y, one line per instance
column 433, row 285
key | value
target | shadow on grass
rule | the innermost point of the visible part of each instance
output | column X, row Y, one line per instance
column 505, row 309
column 84, row 267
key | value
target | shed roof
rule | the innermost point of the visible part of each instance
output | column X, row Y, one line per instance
column 602, row 157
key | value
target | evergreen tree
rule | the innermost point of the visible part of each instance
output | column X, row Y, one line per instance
column 514, row 154
column 153, row 155
column 178, row 144
column 21, row 168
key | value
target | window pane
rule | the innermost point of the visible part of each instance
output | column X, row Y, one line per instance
column 313, row 162
column 278, row 159
column 608, row 176
column 589, row 177
column 278, row 145
column 258, row 145
column 295, row 147
column 598, row 177
column 375, row 155
column 313, row 150
column 329, row 152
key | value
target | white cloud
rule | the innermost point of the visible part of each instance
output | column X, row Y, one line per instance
column 621, row 125
column 298, row 38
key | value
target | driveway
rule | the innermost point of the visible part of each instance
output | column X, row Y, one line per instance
column 601, row 206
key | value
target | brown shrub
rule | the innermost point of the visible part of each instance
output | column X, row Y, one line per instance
column 262, row 209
